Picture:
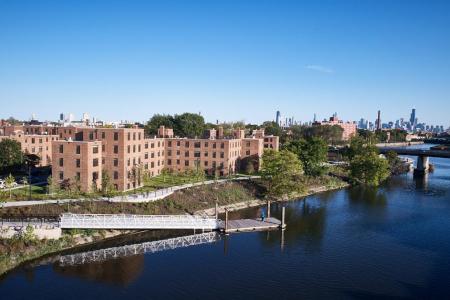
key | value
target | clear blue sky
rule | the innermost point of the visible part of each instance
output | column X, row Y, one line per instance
column 230, row 60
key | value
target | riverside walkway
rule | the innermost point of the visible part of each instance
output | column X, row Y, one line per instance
column 134, row 198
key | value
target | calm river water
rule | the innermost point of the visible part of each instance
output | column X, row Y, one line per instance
column 390, row 242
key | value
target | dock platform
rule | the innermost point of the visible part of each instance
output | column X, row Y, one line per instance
column 245, row 225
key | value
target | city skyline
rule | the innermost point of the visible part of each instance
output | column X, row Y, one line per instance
column 121, row 61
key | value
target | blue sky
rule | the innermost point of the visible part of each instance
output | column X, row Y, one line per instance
column 229, row 60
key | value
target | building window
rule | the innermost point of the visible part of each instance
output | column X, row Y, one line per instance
column 94, row 176
column 178, row 143
column 61, row 175
column 222, row 145
column 222, row 155
column 61, row 149
column 206, row 144
column 206, row 163
column 116, row 175
column 186, row 163
column 152, row 145
column 186, row 144
column 91, row 136
column 129, row 136
column 178, row 161
column 78, row 176
column 95, row 162
column 214, row 146
column 61, row 162
column 146, row 156
column 116, row 149
column 152, row 164
column 134, row 136
column 169, row 152
column 146, row 146
column 214, row 154
column 247, row 152
column 197, row 154
column 205, row 154
column 197, row 144
column 116, row 162
column 103, row 148
column 134, row 148
column 186, row 153
column 169, row 162
column 78, row 163
column 103, row 135
column 116, row 136
column 95, row 150
column 169, row 143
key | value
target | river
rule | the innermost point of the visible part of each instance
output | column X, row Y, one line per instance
column 389, row 242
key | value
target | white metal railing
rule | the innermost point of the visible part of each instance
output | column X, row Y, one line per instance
column 122, row 221
column 147, row 247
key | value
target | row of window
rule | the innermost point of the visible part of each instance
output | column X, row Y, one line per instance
column 188, row 163
column 40, row 140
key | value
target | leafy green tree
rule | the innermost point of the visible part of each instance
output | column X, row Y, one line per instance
column 396, row 166
column 272, row 128
column 366, row 166
column 359, row 146
column 9, row 183
column 369, row 169
column 10, row 153
column 189, row 125
column 107, row 185
column 156, row 121
column 312, row 153
column 281, row 171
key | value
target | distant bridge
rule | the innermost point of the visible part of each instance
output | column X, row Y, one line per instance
column 101, row 221
column 422, row 154
column 135, row 249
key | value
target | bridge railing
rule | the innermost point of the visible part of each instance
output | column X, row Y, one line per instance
column 104, row 221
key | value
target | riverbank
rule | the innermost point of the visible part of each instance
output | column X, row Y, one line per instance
column 197, row 200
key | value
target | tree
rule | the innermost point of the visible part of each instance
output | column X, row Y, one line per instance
column 156, row 121
column 9, row 183
column 107, row 185
column 272, row 128
column 312, row 153
column 10, row 153
column 359, row 146
column 281, row 171
column 189, row 125
column 396, row 166
column 366, row 166
column 369, row 169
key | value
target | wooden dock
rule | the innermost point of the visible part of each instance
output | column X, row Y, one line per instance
column 245, row 225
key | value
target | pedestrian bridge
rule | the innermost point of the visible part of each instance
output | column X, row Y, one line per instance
column 103, row 221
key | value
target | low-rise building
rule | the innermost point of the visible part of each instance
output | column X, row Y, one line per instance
column 83, row 155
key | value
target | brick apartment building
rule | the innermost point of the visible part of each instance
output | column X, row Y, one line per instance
column 83, row 155
column 349, row 128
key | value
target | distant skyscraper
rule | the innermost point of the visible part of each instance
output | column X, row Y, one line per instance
column 61, row 117
column 378, row 122
column 413, row 119
column 278, row 118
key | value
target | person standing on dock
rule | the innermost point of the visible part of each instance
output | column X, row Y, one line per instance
column 263, row 214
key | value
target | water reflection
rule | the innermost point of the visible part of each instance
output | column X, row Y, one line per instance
column 369, row 197
column 121, row 271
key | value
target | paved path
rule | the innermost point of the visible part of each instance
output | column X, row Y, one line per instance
column 136, row 198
